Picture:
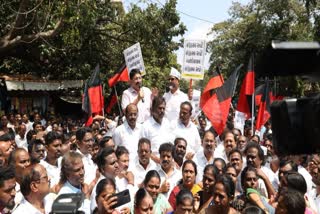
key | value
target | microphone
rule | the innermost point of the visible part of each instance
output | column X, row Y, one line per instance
column 140, row 86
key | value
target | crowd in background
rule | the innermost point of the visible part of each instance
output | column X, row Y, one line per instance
column 169, row 161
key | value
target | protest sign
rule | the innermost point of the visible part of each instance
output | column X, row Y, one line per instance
column 133, row 58
column 193, row 60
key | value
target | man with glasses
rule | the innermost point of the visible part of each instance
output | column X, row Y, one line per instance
column 174, row 97
column 85, row 143
column 35, row 186
column 138, row 95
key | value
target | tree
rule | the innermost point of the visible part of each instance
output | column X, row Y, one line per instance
column 66, row 39
column 251, row 29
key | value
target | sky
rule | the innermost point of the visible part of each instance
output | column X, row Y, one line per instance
column 208, row 13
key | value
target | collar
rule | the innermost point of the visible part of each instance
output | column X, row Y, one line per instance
column 132, row 90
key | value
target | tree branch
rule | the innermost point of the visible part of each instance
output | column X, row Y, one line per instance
column 20, row 18
column 6, row 43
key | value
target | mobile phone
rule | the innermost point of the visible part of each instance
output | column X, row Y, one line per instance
column 122, row 198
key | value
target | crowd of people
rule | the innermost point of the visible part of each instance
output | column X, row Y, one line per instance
column 169, row 161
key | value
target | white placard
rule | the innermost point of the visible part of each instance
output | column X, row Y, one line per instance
column 193, row 59
column 239, row 120
column 133, row 57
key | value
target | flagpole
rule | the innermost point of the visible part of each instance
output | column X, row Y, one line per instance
column 120, row 110
column 252, row 98
column 103, row 99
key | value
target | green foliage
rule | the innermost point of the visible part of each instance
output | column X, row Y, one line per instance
column 251, row 29
column 92, row 32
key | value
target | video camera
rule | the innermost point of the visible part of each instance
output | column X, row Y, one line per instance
column 295, row 122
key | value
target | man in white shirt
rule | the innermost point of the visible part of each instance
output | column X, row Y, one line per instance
column 174, row 97
column 255, row 158
column 138, row 95
column 128, row 134
column 185, row 128
column 35, row 186
column 229, row 143
column 157, row 128
column 205, row 155
column 26, row 121
column 20, row 137
column 168, row 173
column 142, row 163
column 53, row 142
column 72, row 178
column 85, row 143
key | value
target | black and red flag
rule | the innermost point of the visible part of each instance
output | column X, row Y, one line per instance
column 122, row 75
column 111, row 100
column 93, row 101
column 216, row 81
column 264, row 108
column 247, row 91
column 218, row 106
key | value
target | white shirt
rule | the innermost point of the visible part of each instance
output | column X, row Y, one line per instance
column 173, row 179
column 53, row 171
column 271, row 176
column 26, row 208
column 307, row 177
column 21, row 142
column 157, row 133
column 68, row 188
column 130, row 95
column 28, row 126
column 173, row 102
column 125, row 136
column 190, row 133
column 201, row 162
column 90, row 168
column 140, row 172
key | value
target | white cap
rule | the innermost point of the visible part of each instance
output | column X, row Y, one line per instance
column 175, row 73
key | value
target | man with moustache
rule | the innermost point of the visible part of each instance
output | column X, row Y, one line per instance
column 36, row 150
column 72, row 178
column 242, row 143
column 157, row 128
column 85, row 143
column 267, row 180
column 20, row 137
column 143, row 162
column 184, row 127
column 229, row 143
column 235, row 159
column 7, row 188
column 180, row 148
column 128, row 134
column 205, row 155
column 51, row 163
column 174, row 97
column 168, row 173
column 137, row 94
column 35, row 186
column 6, row 147
column 108, row 166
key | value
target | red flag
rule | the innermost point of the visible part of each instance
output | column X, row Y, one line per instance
column 247, row 90
column 264, row 108
column 215, row 82
column 95, row 91
column 218, row 106
column 111, row 101
column 121, row 75
column 93, row 102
